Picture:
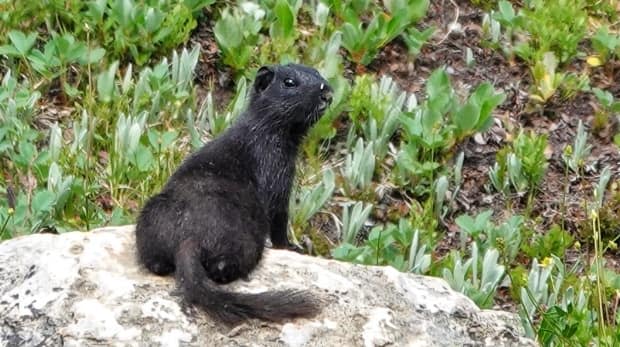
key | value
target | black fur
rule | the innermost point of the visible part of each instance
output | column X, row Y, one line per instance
column 211, row 219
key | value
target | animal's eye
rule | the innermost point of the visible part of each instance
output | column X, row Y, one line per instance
column 289, row 82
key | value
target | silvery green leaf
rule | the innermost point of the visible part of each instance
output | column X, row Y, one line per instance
column 55, row 142
column 441, row 188
column 599, row 192
column 127, row 79
column 105, row 83
column 353, row 220
column 53, row 177
column 321, row 14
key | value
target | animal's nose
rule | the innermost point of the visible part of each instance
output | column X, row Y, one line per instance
column 326, row 96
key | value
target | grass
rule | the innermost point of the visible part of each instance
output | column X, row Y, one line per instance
column 92, row 122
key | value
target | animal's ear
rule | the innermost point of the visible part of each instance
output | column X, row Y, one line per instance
column 264, row 76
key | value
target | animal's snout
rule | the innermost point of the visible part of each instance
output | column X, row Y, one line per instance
column 326, row 93
column 327, row 97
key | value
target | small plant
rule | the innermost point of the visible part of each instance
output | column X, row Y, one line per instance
column 554, row 26
column 505, row 237
column 522, row 166
column 435, row 126
column 375, row 111
column 213, row 121
column 606, row 44
column 575, row 157
column 353, row 219
column 58, row 55
column 610, row 107
column 597, row 266
column 17, row 101
column 607, row 100
column 309, row 200
column 237, row 33
column 536, row 293
column 415, row 39
column 463, row 275
column 363, row 40
column 546, row 79
column 530, row 151
column 396, row 245
column 476, row 114
column 164, row 89
column 491, row 30
column 282, row 30
column 554, row 242
column 145, row 29
column 359, row 168
column 125, row 27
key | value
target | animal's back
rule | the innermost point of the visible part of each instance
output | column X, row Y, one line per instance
column 210, row 199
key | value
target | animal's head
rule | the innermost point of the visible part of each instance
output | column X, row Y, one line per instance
column 292, row 94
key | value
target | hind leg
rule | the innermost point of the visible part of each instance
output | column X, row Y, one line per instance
column 159, row 266
column 154, row 241
column 153, row 256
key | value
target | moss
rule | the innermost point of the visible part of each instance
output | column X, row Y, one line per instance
column 600, row 122
column 485, row 4
column 318, row 231
column 320, row 244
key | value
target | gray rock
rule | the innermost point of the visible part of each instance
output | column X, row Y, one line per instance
column 86, row 289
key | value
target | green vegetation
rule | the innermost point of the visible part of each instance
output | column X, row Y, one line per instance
column 99, row 103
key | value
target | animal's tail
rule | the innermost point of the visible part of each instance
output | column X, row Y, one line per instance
column 232, row 307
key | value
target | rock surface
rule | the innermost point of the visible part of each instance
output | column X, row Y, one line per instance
column 86, row 289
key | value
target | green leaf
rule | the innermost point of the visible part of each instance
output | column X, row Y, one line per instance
column 351, row 39
column 27, row 153
column 438, row 84
column 105, row 83
column 43, row 201
column 347, row 252
column 144, row 158
column 467, row 118
column 154, row 20
column 603, row 96
column 96, row 9
column 9, row 50
column 21, row 42
column 550, row 325
column 466, row 223
column 284, row 25
column 197, row 5
column 417, row 9
column 154, row 136
column 93, row 56
column 415, row 39
column 506, row 14
column 70, row 90
column 168, row 138
column 227, row 33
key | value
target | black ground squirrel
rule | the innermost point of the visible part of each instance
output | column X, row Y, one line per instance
column 210, row 221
